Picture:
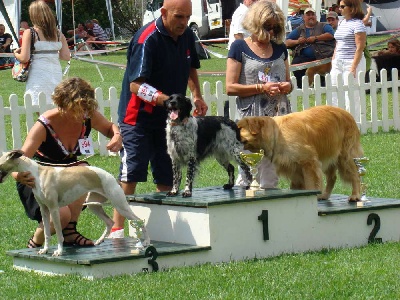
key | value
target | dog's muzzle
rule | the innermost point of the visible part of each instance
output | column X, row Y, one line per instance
column 173, row 111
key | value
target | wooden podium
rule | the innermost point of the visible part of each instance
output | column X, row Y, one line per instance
column 216, row 225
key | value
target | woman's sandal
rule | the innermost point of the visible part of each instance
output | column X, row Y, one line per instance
column 80, row 240
column 32, row 244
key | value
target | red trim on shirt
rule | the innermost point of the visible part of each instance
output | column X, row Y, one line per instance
column 148, row 107
column 146, row 32
column 132, row 110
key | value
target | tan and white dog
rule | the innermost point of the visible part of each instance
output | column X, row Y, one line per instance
column 58, row 186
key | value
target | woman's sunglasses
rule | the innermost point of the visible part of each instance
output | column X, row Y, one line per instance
column 342, row 6
column 276, row 28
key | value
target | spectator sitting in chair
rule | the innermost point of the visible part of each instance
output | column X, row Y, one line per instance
column 388, row 59
column 333, row 19
column 78, row 34
column 311, row 41
column 392, row 49
column 5, row 45
column 95, row 33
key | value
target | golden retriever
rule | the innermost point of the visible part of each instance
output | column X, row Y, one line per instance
column 303, row 145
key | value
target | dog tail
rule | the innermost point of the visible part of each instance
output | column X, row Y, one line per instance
column 351, row 149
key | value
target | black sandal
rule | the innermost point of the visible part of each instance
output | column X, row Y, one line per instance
column 71, row 229
column 32, row 244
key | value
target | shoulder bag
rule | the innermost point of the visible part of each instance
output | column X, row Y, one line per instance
column 20, row 70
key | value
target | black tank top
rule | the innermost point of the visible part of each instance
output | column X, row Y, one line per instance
column 53, row 151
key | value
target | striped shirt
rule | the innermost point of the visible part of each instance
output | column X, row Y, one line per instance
column 99, row 32
column 345, row 38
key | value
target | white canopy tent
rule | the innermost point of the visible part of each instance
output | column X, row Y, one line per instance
column 10, row 17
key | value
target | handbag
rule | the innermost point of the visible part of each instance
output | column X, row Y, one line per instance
column 20, row 71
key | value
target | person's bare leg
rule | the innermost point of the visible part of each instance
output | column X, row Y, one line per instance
column 129, row 189
column 119, row 220
column 71, row 234
column 38, row 236
column 76, row 208
column 163, row 188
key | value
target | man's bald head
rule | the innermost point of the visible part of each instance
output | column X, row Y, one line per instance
column 172, row 4
column 175, row 15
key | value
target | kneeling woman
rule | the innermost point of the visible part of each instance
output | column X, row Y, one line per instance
column 54, row 139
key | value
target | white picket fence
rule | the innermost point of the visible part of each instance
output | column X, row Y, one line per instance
column 378, row 117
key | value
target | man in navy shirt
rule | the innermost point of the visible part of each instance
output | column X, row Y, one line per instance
column 311, row 41
column 162, row 60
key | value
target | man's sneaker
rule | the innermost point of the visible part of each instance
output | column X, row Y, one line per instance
column 117, row 234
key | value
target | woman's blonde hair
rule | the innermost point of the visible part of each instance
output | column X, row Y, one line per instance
column 259, row 14
column 43, row 18
column 75, row 96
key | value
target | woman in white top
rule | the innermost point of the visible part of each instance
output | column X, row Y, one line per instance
column 348, row 58
column 50, row 46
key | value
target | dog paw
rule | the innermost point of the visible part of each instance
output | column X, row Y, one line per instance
column 322, row 197
column 186, row 194
column 228, row 186
column 98, row 242
column 354, row 198
column 172, row 194
column 43, row 251
column 57, row 253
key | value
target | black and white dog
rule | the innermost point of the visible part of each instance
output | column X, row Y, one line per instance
column 191, row 139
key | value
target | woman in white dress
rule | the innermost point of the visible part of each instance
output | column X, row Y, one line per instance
column 50, row 46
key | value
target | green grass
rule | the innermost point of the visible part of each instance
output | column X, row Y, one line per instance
column 370, row 272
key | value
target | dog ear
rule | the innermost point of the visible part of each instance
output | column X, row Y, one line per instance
column 242, row 123
column 254, row 124
column 166, row 102
column 188, row 104
column 14, row 154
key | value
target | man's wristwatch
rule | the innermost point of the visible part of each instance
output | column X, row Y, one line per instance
column 316, row 39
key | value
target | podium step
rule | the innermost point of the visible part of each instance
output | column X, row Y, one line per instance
column 215, row 225
column 112, row 252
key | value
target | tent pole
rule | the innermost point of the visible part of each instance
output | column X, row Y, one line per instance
column 73, row 24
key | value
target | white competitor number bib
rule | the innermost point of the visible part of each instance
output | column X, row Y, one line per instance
column 148, row 93
column 86, row 146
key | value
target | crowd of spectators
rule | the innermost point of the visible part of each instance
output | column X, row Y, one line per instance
column 88, row 33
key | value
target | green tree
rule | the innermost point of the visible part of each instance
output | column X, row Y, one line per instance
column 128, row 15
column 83, row 10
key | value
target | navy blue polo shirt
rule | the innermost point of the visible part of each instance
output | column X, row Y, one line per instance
column 164, row 64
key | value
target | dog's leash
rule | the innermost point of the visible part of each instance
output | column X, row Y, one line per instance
column 77, row 163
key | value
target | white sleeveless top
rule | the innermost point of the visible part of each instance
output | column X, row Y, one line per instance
column 45, row 71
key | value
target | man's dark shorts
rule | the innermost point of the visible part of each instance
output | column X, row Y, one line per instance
column 141, row 146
